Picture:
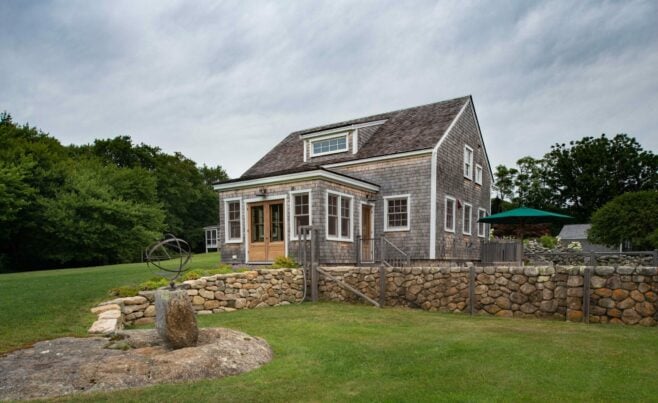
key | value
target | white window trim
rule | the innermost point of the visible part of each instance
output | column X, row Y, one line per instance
column 329, row 137
column 209, row 238
column 338, row 238
column 484, row 225
column 227, row 232
column 445, row 214
column 293, row 193
column 470, row 177
column 395, row 229
column 478, row 178
column 470, row 221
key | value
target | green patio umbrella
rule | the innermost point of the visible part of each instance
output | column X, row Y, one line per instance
column 522, row 216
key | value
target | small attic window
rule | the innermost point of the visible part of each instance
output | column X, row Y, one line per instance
column 329, row 145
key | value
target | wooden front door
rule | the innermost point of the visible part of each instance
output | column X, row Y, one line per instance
column 367, row 241
column 266, row 231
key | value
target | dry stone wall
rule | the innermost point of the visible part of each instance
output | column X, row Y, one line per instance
column 616, row 294
column 219, row 293
column 622, row 294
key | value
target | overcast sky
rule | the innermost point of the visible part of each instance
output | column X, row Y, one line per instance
column 223, row 82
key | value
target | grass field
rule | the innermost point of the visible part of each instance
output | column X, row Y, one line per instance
column 337, row 352
column 54, row 303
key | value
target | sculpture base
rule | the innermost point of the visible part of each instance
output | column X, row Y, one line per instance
column 175, row 320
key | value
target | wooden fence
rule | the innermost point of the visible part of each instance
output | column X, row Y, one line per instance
column 501, row 251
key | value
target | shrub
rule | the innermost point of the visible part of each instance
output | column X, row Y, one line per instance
column 154, row 284
column 283, row 262
column 198, row 273
column 548, row 241
column 191, row 275
column 630, row 217
column 124, row 291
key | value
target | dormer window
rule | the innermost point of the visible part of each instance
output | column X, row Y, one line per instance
column 329, row 145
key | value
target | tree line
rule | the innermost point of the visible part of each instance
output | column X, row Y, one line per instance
column 583, row 176
column 95, row 204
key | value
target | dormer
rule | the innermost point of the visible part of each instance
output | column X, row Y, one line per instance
column 339, row 140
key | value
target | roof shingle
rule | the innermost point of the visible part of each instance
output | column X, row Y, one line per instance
column 405, row 130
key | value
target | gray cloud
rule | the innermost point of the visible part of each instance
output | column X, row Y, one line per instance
column 224, row 82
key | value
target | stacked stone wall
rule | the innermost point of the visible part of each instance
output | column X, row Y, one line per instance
column 616, row 294
column 623, row 294
column 219, row 293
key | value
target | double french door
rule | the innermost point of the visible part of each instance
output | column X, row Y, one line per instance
column 266, row 231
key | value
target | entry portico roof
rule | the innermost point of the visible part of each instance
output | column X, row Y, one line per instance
column 296, row 176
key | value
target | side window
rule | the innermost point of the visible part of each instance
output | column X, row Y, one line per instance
column 482, row 227
column 478, row 174
column 468, row 162
column 397, row 213
column 301, row 211
column 339, row 217
column 233, row 218
column 467, row 213
column 449, row 218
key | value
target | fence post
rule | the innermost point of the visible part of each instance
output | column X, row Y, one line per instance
column 358, row 250
column 382, row 285
column 587, row 274
column 314, row 266
column 381, row 250
column 471, row 290
column 655, row 257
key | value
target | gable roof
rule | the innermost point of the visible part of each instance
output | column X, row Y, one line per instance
column 575, row 231
column 405, row 130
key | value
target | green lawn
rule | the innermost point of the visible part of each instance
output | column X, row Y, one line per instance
column 54, row 303
column 337, row 352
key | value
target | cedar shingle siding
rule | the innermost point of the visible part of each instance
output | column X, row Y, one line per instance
column 415, row 129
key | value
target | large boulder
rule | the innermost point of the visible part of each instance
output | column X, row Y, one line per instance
column 175, row 319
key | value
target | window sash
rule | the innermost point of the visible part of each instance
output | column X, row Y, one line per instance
column 450, row 215
column 478, row 174
column 301, row 212
column 339, row 217
column 397, row 213
column 482, row 227
column 234, row 228
column 466, row 219
column 468, row 162
column 332, row 215
column 330, row 145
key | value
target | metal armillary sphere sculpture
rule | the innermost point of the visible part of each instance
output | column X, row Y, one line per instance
column 170, row 256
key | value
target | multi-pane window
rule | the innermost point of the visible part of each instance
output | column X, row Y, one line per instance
column 301, row 212
column 478, row 174
column 482, row 227
column 468, row 162
column 466, row 219
column 233, row 227
column 330, row 145
column 450, row 214
column 332, row 215
column 339, row 216
column 345, row 217
column 211, row 238
column 397, row 213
